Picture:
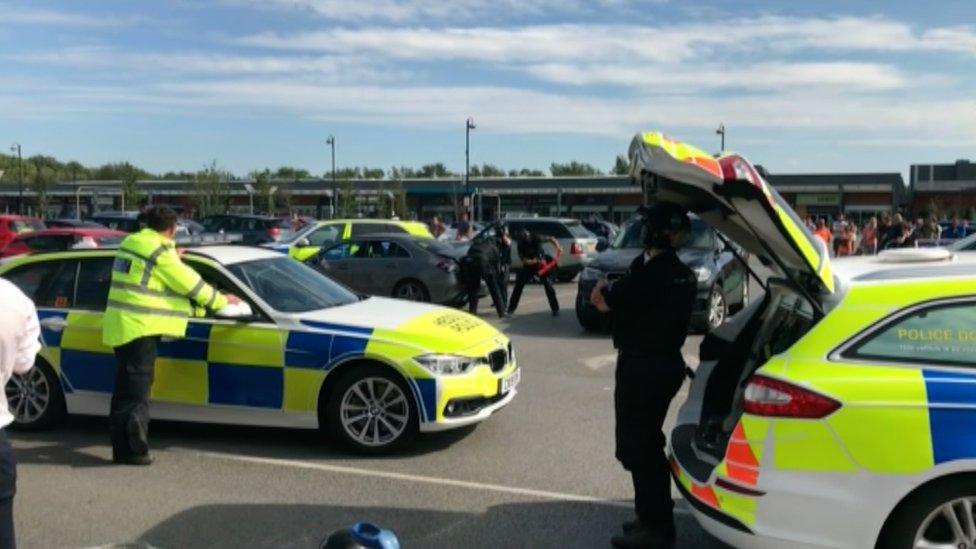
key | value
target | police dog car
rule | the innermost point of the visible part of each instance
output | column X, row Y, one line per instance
column 840, row 409
column 373, row 371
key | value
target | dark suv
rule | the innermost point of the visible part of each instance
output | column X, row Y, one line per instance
column 723, row 286
column 254, row 229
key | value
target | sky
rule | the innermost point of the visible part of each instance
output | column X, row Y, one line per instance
column 801, row 87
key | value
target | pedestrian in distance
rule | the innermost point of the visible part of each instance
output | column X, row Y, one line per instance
column 483, row 263
column 533, row 259
column 651, row 310
column 20, row 334
column 152, row 294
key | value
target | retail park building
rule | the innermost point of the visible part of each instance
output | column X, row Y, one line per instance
column 950, row 189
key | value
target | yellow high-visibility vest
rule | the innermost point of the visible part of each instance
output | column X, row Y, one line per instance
column 153, row 292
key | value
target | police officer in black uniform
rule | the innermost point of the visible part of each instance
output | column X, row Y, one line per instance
column 532, row 255
column 651, row 309
column 505, row 257
column 483, row 263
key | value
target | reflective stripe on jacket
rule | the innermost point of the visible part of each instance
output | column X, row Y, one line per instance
column 152, row 292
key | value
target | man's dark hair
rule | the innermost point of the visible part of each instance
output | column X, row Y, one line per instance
column 161, row 218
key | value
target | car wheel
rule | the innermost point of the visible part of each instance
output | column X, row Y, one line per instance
column 587, row 318
column 718, row 309
column 35, row 398
column 371, row 411
column 411, row 290
column 939, row 515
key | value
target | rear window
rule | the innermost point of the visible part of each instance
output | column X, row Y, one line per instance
column 579, row 231
column 549, row 228
column 49, row 243
column 48, row 284
column 25, row 225
column 361, row 229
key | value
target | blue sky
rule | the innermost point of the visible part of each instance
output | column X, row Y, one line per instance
column 800, row 86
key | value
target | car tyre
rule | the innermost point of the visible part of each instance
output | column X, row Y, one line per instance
column 372, row 411
column 411, row 290
column 587, row 317
column 36, row 398
column 717, row 311
column 925, row 516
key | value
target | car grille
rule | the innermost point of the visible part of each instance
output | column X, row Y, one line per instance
column 499, row 359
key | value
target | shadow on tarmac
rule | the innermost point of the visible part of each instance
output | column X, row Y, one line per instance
column 64, row 445
column 535, row 524
column 543, row 324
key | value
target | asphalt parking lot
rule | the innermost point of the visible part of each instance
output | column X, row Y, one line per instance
column 541, row 473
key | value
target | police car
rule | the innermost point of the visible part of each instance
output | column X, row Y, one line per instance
column 372, row 371
column 839, row 410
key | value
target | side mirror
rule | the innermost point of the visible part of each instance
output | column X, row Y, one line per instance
column 303, row 243
column 602, row 244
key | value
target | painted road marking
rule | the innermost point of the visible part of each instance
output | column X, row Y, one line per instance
column 343, row 470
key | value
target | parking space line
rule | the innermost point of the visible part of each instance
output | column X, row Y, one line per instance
column 405, row 477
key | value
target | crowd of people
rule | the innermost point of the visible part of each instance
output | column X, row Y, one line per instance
column 844, row 237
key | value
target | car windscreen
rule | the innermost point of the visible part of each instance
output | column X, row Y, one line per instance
column 632, row 236
column 291, row 287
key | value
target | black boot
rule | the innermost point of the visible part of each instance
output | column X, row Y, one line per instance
column 642, row 537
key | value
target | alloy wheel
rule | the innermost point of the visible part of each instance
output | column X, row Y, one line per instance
column 374, row 411
column 28, row 396
column 950, row 526
column 716, row 308
column 410, row 292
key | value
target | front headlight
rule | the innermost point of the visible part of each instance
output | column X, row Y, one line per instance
column 445, row 365
column 589, row 273
column 702, row 273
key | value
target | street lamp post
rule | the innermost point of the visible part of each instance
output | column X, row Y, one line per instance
column 250, row 195
column 468, row 126
column 20, row 178
column 333, row 209
column 721, row 131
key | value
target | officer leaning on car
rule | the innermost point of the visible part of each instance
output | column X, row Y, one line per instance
column 483, row 263
column 650, row 309
column 152, row 294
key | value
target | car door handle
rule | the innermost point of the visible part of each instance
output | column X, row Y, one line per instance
column 54, row 323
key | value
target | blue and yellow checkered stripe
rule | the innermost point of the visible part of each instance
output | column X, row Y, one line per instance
column 225, row 364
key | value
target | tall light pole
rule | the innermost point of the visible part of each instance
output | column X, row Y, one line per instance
column 333, row 209
column 468, row 126
column 20, row 178
column 721, row 131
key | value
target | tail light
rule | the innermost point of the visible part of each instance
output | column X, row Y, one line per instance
column 765, row 396
column 274, row 233
column 576, row 249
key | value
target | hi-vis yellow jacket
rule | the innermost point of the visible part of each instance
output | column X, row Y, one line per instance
column 153, row 292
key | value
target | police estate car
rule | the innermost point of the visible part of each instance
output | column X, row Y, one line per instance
column 839, row 410
column 372, row 371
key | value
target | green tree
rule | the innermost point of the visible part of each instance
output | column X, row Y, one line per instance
column 373, row 173
column 75, row 171
column 435, row 170
column 130, row 190
column 399, row 200
column 621, row 166
column 572, row 168
column 403, row 172
column 290, row 173
column 210, row 189
column 526, row 172
column 115, row 171
column 347, row 200
column 41, row 178
column 262, row 189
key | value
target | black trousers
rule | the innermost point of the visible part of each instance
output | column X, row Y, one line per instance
column 8, row 487
column 645, row 386
column 503, row 273
column 522, row 277
column 490, row 277
column 129, row 417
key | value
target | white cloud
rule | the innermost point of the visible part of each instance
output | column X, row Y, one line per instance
column 672, row 43
column 14, row 15
column 404, row 11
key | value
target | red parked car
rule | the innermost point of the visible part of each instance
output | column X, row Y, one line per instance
column 12, row 225
column 56, row 240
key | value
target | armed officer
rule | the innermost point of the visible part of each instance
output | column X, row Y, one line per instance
column 483, row 263
column 153, row 293
column 651, row 309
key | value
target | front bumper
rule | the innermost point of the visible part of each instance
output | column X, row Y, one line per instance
column 471, row 398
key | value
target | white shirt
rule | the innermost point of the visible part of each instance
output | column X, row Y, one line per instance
column 20, row 334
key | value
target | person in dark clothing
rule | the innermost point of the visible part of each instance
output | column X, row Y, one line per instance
column 505, row 256
column 651, row 309
column 482, row 263
column 533, row 256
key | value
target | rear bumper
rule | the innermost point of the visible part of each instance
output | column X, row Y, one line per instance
column 802, row 509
